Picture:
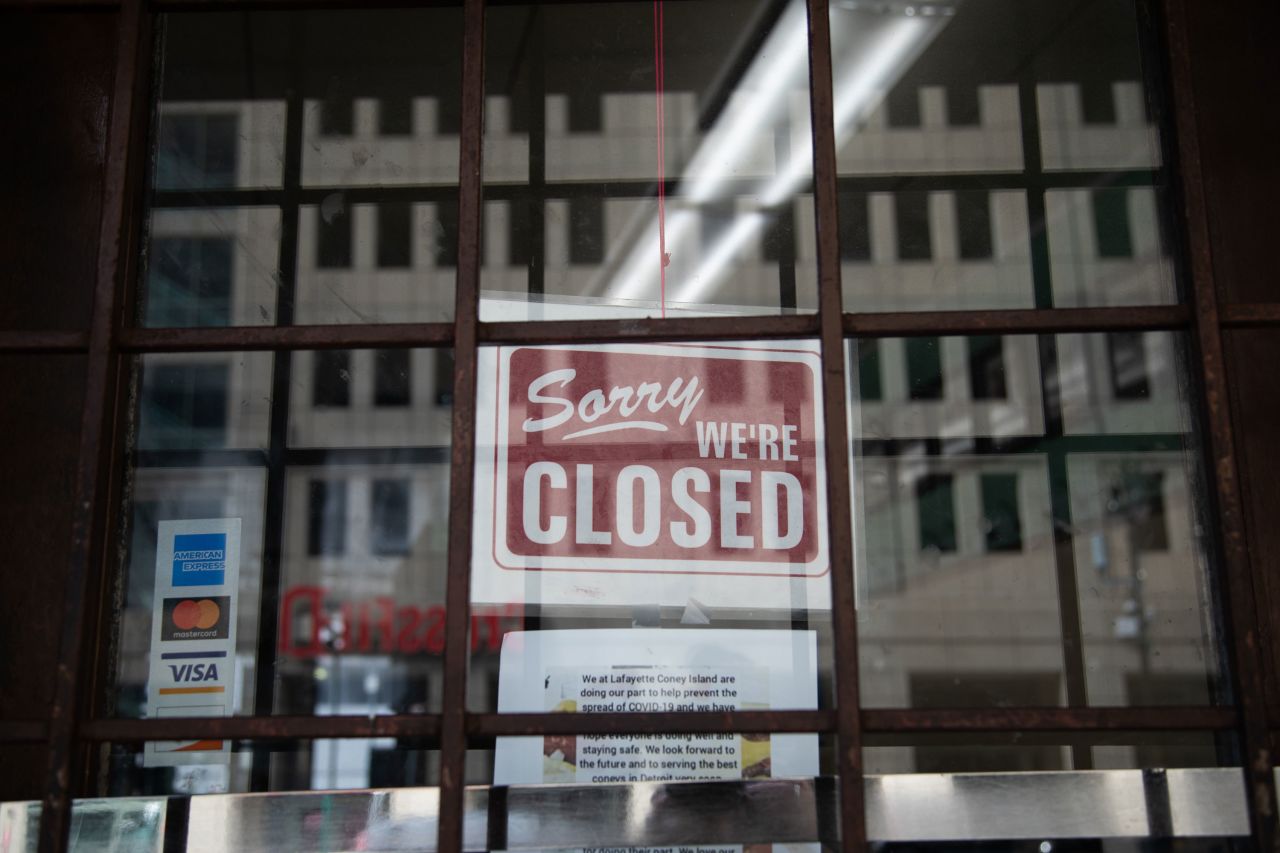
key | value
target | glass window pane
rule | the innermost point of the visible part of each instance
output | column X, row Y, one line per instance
column 395, row 230
column 211, row 267
column 331, row 379
column 393, row 378
column 973, row 221
column 575, row 225
column 371, row 94
column 911, row 218
column 934, row 104
column 282, row 766
column 1109, row 246
column 369, row 263
column 1029, row 524
column 304, row 576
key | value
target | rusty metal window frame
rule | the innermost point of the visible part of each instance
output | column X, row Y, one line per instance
column 75, row 725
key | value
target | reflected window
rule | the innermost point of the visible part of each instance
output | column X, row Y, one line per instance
column 185, row 406
column 1001, row 521
column 189, row 282
column 327, row 518
column 520, row 233
column 389, row 521
column 870, row 386
column 986, row 367
column 1137, row 499
column 586, row 230
column 333, row 239
column 973, row 224
column 337, row 116
column 395, row 115
column 392, row 377
column 448, row 114
column 446, row 235
column 963, row 108
column 443, row 376
column 903, row 107
column 1111, row 222
column 935, row 502
column 855, row 227
column 911, row 216
column 197, row 151
column 1127, row 355
column 395, row 232
column 717, row 219
column 924, row 368
column 585, row 115
column 779, row 241
column 1097, row 102
column 331, row 386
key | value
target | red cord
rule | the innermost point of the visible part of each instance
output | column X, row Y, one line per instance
column 660, row 83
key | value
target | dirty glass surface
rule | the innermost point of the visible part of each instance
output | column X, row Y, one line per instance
column 1028, row 527
column 615, row 136
column 305, row 168
column 332, row 604
column 997, row 154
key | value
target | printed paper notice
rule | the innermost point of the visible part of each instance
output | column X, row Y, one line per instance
column 193, row 633
column 653, row 670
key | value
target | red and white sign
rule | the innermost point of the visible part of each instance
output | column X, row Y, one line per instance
column 650, row 460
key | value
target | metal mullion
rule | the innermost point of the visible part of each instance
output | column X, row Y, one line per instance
column 853, row 823
column 998, row 181
column 43, row 342
column 1020, row 321
column 453, row 741
column 286, row 337
column 278, row 424
column 262, row 728
column 484, row 726
column 1076, row 720
column 1023, row 445
column 698, row 329
column 315, row 194
column 102, row 376
column 887, row 324
column 537, row 189
column 1236, row 581
column 1249, row 315
column 480, row 727
column 1075, row 674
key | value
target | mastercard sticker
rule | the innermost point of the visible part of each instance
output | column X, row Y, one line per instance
column 196, row 618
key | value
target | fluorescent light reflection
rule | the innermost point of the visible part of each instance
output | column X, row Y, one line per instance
column 879, row 47
column 756, row 106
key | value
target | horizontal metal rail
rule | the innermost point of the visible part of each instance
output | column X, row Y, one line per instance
column 715, row 328
column 639, row 189
column 482, row 728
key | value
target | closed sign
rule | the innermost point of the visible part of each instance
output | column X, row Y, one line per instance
column 653, row 459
